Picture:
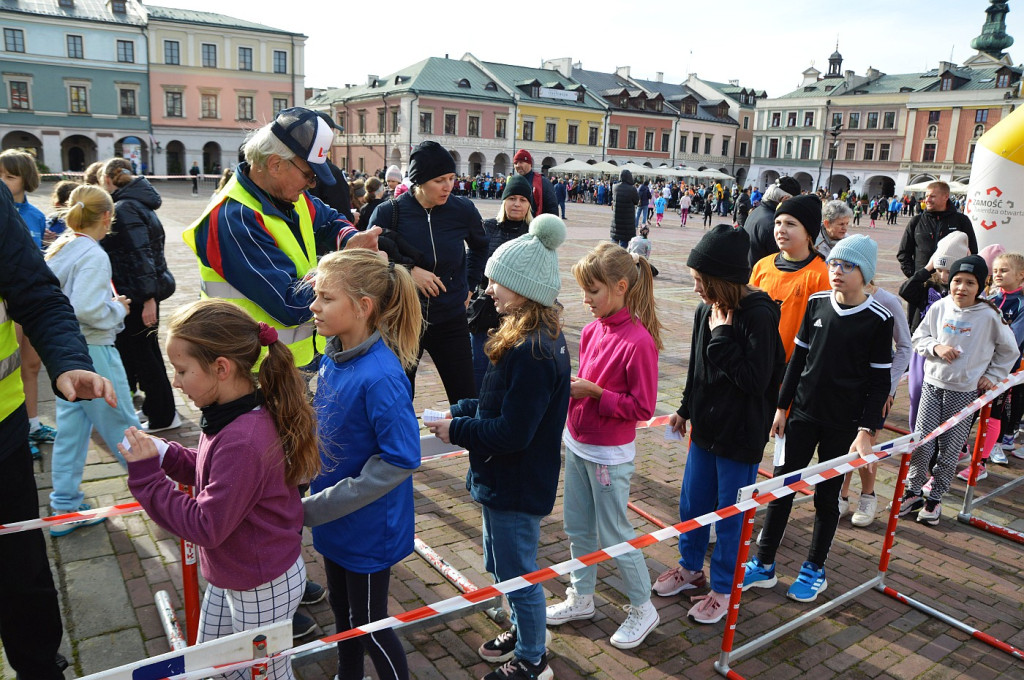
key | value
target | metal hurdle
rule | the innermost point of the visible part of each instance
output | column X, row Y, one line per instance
column 966, row 514
column 793, row 482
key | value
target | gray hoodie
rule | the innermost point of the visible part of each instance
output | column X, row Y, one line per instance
column 83, row 269
column 988, row 348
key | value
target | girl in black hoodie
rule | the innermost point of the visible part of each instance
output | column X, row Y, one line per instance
column 732, row 388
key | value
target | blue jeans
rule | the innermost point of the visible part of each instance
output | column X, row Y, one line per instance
column 594, row 512
column 711, row 482
column 641, row 214
column 75, row 421
column 510, row 549
column 480, row 360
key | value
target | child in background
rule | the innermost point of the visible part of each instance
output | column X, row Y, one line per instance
column 792, row 275
column 616, row 386
column 659, row 209
column 732, row 387
column 709, row 210
column 512, row 432
column 967, row 347
column 18, row 171
column 83, row 269
column 857, row 212
column 684, row 206
column 874, row 213
column 361, row 504
column 258, row 444
column 831, row 399
column 867, row 506
column 641, row 246
column 1008, row 296
column 59, row 199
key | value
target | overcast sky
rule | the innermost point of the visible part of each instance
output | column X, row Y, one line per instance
column 763, row 44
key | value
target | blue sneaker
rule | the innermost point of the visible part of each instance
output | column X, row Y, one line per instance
column 809, row 582
column 757, row 575
column 34, row 450
column 65, row 529
column 44, row 434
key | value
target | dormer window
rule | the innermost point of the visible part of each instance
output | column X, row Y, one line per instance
column 947, row 83
column 118, row 7
column 535, row 90
column 66, row 4
column 491, row 86
column 1003, row 80
column 464, row 83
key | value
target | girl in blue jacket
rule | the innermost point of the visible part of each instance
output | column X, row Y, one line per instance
column 513, row 433
column 361, row 507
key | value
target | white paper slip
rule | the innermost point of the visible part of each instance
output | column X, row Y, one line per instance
column 780, row 452
column 161, row 446
column 430, row 415
column 671, row 434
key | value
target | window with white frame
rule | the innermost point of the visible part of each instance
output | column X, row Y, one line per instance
column 127, row 100
column 174, row 104
column 279, row 104
column 208, row 106
column 126, row 51
column 19, row 95
column 244, row 58
column 451, row 122
column 172, row 52
column 14, row 40
column 209, row 52
column 78, row 98
column 75, row 47
column 280, row 61
column 245, row 107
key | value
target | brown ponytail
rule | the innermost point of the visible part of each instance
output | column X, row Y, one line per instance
column 215, row 328
column 118, row 171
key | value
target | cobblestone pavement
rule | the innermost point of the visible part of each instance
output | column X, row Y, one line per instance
column 107, row 574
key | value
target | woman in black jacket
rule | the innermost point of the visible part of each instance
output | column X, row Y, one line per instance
column 139, row 272
column 732, row 388
column 624, row 210
column 435, row 228
column 514, row 216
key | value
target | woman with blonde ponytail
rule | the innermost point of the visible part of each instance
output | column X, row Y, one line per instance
column 361, row 507
column 258, row 444
column 83, row 269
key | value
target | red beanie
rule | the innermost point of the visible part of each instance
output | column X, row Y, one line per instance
column 523, row 155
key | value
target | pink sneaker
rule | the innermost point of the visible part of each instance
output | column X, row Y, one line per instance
column 710, row 608
column 676, row 580
column 965, row 474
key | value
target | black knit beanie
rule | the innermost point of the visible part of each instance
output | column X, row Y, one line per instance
column 429, row 160
column 973, row 265
column 722, row 253
column 518, row 185
column 806, row 208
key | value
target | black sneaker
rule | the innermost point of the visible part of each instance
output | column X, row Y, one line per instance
column 302, row 626
column 314, row 593
column 518, row 669
column 910, row 503
column 501, row 648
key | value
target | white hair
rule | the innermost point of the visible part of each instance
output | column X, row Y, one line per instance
column 835, row 210
column 261, row 144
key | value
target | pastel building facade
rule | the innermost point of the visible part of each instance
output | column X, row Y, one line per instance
column 75, row 88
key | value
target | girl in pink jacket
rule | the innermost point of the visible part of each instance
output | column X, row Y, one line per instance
column 616, row 386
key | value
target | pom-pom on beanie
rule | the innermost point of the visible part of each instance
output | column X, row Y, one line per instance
column 528, row 265
column 722, row 253
column 861, row 251
column 806, row 208
column 949, row 249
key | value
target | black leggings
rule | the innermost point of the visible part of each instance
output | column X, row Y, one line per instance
column 358, row 599
column 144, row 365
column 801, row 438
column 1013, row 414
column 448, row 344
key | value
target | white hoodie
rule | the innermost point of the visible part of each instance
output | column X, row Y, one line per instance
column 988, row 347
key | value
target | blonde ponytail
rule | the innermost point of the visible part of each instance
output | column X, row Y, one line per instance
column 86, row 206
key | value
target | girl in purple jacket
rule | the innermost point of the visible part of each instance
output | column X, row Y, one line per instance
column 616, row 386
column 258, row 443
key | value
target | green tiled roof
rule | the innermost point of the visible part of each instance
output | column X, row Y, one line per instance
column 433, row 75
column 510, row 74
column 189, row 16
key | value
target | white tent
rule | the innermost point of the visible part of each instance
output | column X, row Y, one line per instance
column 574, row 166
column 921, row 187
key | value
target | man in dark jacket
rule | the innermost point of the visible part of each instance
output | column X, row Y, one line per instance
column 743, row 207
column 30, row 626
column 924, row 231
column 760, row 224
column 543, row 192
column 560, row 196
column 623, row 215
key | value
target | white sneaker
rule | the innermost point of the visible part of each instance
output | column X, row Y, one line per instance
column 639, row 623
column 844, row 506
column 867, row 508
column 998, row 456
column 575, row 607
column 1018, row 453
column 174, row 424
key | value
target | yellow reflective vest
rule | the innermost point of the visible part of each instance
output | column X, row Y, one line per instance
column 11, row 393
column 302, row 340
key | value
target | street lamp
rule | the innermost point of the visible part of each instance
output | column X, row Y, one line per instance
column 834, row 133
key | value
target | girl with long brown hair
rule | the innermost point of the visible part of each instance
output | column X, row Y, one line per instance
column 361, row 507
column 258, row 444
column 616, row 386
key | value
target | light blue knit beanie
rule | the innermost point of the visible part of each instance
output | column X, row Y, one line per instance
column 528, row 265
column 861, row 251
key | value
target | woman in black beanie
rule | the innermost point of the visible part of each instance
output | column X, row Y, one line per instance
column 514, row 216
column 732, row 389
column 440, row 227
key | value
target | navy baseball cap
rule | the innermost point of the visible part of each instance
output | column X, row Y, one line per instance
column 308, row 137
